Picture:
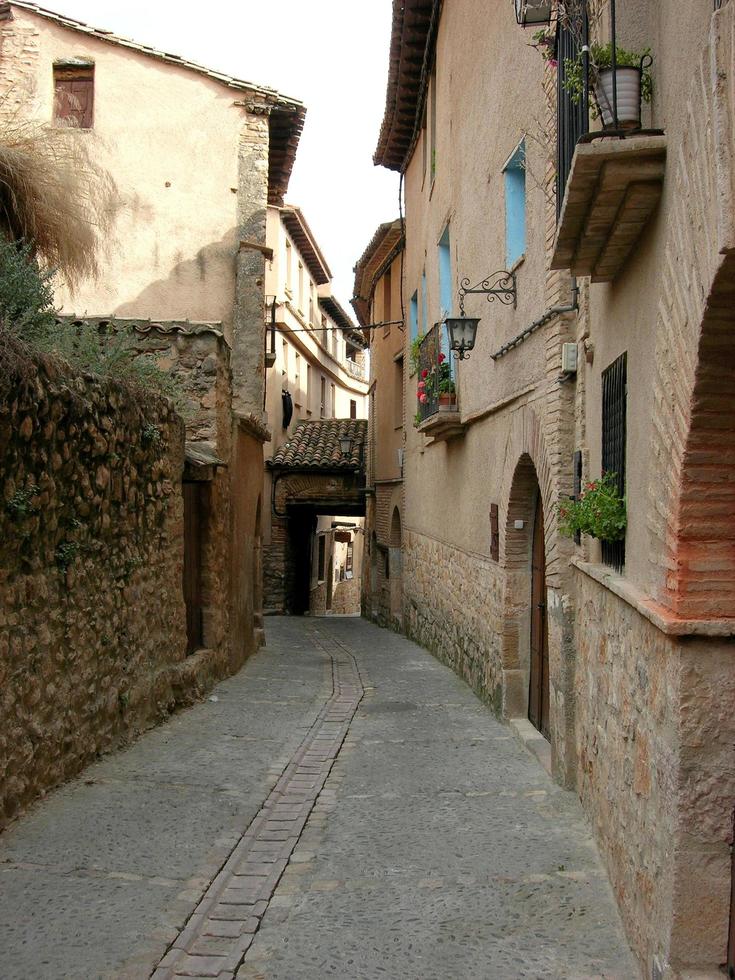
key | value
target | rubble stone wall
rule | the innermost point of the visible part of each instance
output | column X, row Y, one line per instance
column 655, row 734
column 452, row 598
column 92, row 620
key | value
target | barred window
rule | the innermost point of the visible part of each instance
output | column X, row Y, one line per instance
column 614, row 398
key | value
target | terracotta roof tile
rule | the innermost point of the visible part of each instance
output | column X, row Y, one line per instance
column 315, row 446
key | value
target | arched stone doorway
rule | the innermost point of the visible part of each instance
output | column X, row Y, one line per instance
column 396, row 567
column 525, row 626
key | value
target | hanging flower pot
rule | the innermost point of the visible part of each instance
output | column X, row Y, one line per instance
column 633, row 78
column 629, row 97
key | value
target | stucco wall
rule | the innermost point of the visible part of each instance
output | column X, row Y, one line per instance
column 169, row 139
column 92, row 624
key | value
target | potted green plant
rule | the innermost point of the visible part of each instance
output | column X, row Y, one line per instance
column 634, row 82
column 599, row 511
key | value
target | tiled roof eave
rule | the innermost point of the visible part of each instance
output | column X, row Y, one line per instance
column 413, row 36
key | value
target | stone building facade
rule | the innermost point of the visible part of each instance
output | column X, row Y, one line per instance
column 607, row 346
column 316, row 373
column 196, row 158
column 377, row 305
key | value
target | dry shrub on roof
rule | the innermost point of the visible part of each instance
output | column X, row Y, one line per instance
column 53, row 195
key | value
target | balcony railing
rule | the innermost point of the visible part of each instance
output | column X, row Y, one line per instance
column 355, row 370
column 436, row 385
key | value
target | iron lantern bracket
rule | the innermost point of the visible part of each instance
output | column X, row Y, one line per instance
column 500, row 285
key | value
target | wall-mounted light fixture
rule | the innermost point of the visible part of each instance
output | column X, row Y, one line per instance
column 532, row 12
column 462, row 330
column 345, row 446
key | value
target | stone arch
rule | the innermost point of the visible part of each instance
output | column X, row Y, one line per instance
column 516, row 558
column 691, row 511
column 530, row 471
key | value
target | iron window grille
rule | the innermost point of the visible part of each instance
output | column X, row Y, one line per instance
column 614, row 410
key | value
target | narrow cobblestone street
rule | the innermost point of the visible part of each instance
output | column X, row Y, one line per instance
column 343, row 807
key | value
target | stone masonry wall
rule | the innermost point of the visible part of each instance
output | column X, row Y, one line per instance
column 452, row 598
column 655, row 733
column 92, row 623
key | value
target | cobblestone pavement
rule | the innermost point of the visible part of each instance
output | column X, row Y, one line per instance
column 344, row 808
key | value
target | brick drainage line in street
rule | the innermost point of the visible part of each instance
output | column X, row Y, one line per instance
column 218, row 934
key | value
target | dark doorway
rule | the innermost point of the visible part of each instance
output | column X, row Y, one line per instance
column 302, row 525
column 538, row 695
column 731, row 940
column 193, row 521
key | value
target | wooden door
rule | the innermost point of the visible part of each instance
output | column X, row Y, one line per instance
column 538, row 696
column 193, row 565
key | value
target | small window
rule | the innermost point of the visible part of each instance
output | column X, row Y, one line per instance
column 321, row 561
column 288, row 267
column 353, row 408
column 301, row 288
column 349, row 560
column 307, row 392
column 515, row 206
column 424, row 313
column 414, row 315
column 614, row 423
column 285, row 358
column 325, row 333
column 398, row 395
column 387, row 289
column 333, row 401
column 323, row 396
column 74, row 95
column 445, row 275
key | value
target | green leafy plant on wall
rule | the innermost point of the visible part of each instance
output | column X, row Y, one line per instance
column 600, row 511
column 415, row 353
column 19, row 505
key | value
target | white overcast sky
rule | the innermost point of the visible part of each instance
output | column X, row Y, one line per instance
column 330, row 54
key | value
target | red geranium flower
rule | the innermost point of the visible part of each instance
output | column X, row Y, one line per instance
column 425, row 373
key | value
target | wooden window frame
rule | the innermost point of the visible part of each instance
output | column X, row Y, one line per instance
column 75, row 80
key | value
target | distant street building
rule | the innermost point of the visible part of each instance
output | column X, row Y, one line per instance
column 568, row 524
column 377, row 304
column 316, row 394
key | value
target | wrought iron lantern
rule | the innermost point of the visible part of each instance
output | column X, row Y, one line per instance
column 345, row 446
column 462, row 332
column 530, row 13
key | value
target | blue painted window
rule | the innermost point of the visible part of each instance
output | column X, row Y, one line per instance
column 424, row 316
column 515, row 206
column 445, row 276
column 414, row 315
